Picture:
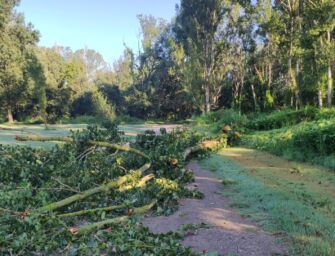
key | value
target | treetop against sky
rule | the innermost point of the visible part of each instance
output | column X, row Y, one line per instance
column 103, row 25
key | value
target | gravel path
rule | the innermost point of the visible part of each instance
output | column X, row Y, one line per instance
column 227, row 233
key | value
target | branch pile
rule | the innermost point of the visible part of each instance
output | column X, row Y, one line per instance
column 55, row 200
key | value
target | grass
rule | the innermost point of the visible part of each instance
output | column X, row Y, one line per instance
column 300, row 205
column 8, row 132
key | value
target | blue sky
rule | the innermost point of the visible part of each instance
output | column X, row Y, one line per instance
column 103, row 25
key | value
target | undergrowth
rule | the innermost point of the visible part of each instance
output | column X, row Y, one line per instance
column 215, row 121
column 287, row 117
column 310, row 141
column 307, row 134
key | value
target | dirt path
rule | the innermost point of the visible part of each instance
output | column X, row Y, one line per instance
column 227, row 232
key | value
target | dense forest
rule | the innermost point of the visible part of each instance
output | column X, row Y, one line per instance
column 246, row 55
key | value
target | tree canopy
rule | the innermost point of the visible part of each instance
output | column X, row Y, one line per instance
column 248, row 55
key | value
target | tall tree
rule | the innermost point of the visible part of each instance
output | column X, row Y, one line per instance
column 15, row 42
column 197, row 24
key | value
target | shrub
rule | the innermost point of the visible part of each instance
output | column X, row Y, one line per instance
column 310, row 141
column 221, row 118
column 282, row 118
column 102, row 108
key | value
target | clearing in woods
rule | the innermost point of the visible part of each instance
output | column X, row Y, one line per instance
column 9, row 132
column 256, row 204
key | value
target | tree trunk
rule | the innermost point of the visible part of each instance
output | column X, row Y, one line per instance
column 10, row 115
column 207, row 98
column 330, row 87
column 329, row 78
column 269, row 75
column 320, row 100
column 290, row 71
column 254, row 96
column 297, row 79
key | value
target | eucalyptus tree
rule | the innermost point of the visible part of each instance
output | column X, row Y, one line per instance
column 123, row 69
column 322, row 15
column 93, row 60
column 196, row 26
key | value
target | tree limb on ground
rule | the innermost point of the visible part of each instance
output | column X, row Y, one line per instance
column 97, row 225
column 88, row 211
column 140, row 184
column 191, row 150
column 80, row 196
column 91, row 142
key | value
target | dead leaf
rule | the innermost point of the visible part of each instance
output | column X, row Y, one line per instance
column 74, row 230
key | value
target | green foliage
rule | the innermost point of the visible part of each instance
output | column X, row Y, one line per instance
column 217, row 120
column 310, row 141
column 82, row 119
column 31, row 178
column 16, row 40
column 101, row 107
column 288, row 117
column 168, row 145
column 282, row 118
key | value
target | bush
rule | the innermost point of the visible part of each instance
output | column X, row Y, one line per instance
column 288, row 117
column 282, row 118
column 222, row 117
column 311, row 141
column 102, row 108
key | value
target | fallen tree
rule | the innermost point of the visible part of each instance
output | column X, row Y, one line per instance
column 75, row 185
column 91, row 142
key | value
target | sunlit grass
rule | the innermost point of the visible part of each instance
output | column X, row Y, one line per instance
column 304, row 218
column 9, row 132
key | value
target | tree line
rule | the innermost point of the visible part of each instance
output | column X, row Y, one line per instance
column 247, row 55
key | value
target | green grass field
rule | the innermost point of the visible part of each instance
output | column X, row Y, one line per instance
column 8, row 132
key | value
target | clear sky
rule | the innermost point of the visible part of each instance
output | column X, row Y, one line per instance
column 102, row 25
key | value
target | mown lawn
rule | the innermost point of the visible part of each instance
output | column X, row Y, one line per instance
column 294, row 201
column 9, row 132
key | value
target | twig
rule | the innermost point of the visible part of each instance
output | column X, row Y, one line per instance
column 85, row 153
column 67, row 186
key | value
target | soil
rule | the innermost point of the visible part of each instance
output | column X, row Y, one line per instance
column 226, row 232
